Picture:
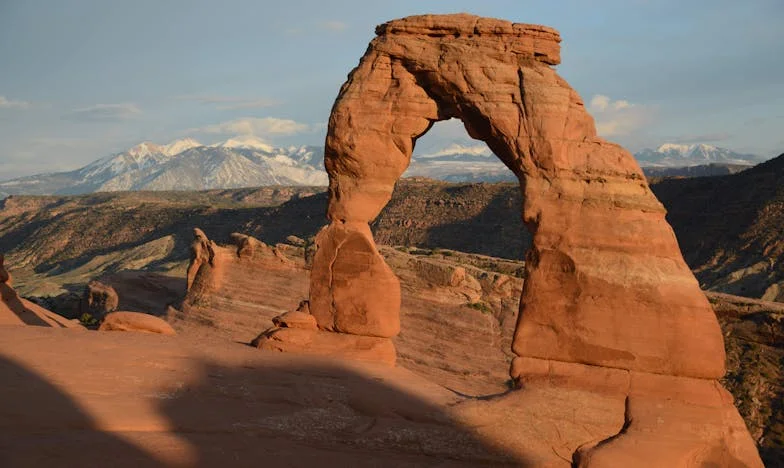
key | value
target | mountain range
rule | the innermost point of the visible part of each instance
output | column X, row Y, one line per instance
column 247, row 161
column 676, row 155
column 183, row 165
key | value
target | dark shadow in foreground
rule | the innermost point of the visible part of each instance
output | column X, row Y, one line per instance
column 42, row 426
column 267, row 414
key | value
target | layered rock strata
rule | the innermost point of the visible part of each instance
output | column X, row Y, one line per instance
column 225, row 273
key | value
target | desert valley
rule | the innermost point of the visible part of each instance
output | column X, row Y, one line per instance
column 538, row 297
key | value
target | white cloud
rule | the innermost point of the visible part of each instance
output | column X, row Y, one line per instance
column 334, row 26
column 257, row 126
column 621, row 104
column 599, row 103
column 231, row 103
column 6, row 103
column 618, row 117
column 105, row 112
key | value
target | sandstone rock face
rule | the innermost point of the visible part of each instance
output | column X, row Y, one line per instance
column 99, row 299
column 352, row 290
column 607, row 290
column 136, row 322
column 227, row 269
column 202, row 255
column 225, row 283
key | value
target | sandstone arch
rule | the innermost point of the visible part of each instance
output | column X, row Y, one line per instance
column 607, row 284
column 611, row 319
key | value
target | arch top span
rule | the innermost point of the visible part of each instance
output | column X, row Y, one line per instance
column 540, row 42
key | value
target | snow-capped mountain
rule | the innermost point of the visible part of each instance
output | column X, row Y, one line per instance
column 473, row 161
column 676, row 155
column 184, row 165
column 459, row 161
column 249, row 161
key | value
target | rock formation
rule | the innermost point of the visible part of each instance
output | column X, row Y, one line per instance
column 202, row 255
column 15, row 310
column 214, row 268
column 99, row 299
column 298, row 331
column 5, row 277
column 608, row 303
column 225, row 282
column 136, row 322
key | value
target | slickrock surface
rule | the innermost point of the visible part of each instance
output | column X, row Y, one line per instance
column 150, row 400
column 135, row 322
column 457, row 315
column 327, row 344
column 464, row 345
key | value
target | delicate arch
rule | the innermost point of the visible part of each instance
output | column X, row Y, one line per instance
column 606, row 284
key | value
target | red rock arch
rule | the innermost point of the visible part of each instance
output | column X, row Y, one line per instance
column 606, row 285
column 609, row 308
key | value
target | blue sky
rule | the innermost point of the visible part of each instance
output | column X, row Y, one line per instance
column 81, row 79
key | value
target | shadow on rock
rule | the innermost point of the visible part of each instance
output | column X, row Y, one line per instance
column 125, row 399
column 319, row 415
column 42, row 426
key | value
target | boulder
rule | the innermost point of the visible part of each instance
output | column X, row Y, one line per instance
column 300, row 318
column 99, row 299
column 327, row 344
column 136, row 322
